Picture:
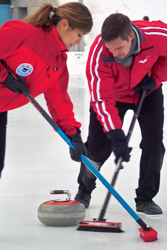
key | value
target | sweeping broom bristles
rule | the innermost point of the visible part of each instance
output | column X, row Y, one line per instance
column 99, row 226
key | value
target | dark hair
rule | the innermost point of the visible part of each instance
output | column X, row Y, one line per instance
column 116, row 25
column 77, row 14
column 146, row 18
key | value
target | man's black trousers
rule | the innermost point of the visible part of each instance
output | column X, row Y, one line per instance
column 151, row 121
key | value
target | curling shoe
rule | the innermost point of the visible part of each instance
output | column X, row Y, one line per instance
column 83, row 198
column 150, row 208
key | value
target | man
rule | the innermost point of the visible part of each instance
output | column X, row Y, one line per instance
column 117, row 71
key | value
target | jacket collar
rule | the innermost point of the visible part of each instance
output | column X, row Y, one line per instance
column 61, row 45
column 145, row 42
column 56, row 49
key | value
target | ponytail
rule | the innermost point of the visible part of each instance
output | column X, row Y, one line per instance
column 41, row 17
column 77, row 14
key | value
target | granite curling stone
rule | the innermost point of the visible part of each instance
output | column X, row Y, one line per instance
column 61, row 212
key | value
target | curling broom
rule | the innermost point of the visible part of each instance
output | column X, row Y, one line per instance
column 100, row 224
column 146, row 233
column 119, row 163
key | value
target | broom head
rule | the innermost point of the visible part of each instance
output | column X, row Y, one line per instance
column 99, row 226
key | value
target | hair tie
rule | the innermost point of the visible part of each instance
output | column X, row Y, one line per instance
column 54, row 10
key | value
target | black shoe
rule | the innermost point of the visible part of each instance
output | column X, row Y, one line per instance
column 149, row 208
column 83, row 198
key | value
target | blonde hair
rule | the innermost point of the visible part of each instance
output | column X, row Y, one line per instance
column 77, row 14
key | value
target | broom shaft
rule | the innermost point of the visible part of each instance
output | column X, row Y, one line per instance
column 119, row 166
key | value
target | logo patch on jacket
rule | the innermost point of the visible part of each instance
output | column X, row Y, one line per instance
column 143, row 61
column 24, row 69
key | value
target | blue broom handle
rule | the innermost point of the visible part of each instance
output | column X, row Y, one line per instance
column 86, row 161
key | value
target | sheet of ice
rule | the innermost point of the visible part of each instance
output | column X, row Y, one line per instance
column 37, row 161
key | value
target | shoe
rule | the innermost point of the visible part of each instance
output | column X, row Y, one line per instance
column 149, row 208
column 83, row 198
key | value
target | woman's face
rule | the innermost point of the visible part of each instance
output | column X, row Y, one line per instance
column 69, row 37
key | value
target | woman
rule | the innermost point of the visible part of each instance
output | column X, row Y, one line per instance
column 34, row 50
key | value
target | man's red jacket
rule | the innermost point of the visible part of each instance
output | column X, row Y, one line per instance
column 38, row 56
column 110, row 82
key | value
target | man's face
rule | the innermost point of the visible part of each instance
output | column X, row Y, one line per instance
column 120, row 48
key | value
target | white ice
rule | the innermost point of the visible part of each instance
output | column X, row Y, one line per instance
column 37, row 161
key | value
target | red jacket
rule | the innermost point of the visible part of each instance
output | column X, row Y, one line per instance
column 110, row 82
column 39, row 56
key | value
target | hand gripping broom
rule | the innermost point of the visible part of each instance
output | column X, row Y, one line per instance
column 146, row 233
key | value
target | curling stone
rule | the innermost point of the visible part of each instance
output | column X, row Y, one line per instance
column 61, row 212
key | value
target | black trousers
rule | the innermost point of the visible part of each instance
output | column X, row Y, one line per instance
column 3, row 123
column 151, row 121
